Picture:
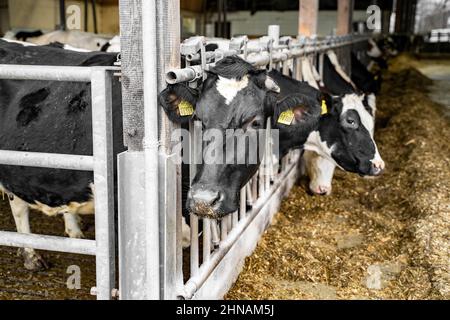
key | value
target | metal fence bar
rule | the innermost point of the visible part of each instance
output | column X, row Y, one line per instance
column 44, row 242
column 243, row 203
column 47, row 160
column 235, row 219
column 195, row 141
column 104, row 181
column 50, row 73
column 229, row 222
column 223, row 229
column 206, row 239
column 101, row 163
column 264, row 57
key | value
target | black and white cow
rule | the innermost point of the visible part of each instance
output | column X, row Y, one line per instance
column 345, row 132
column 52, row 117
column 236, row 95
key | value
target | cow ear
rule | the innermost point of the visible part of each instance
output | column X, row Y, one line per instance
column 178, row 101
column 263, row 81
column 294, row 108
column 271, row 85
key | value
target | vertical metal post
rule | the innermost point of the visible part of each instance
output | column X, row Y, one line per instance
column 243, row 203
column 195, row 157
column 151, row 144
column 104, row 181
column 206, row 239
column 139, row 248
column 168, row 56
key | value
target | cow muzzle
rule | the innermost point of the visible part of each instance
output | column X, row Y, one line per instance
column 206, row 203
column 377, row 167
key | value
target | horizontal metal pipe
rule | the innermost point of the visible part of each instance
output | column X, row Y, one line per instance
column 259, row 57
column 50, row 73
column 259, row 60
column 47, row 160
column 183, row 75
column 44, row 242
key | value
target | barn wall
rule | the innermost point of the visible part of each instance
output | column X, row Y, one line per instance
column 110, row 19
column 4, row 17
column 44, row 14
column 243, row 22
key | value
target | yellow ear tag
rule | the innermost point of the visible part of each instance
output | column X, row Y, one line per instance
column 286, row 117
column 324, row 108
column 185, row 108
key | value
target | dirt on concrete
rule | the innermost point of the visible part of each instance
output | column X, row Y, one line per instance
column 17, row 283
column 384, row 238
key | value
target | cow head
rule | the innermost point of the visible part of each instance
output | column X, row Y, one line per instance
column 345, row 136
column 236, row 96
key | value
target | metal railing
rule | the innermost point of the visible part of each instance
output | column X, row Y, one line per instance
column 101, row 163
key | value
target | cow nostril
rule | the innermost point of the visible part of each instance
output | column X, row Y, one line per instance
column 209, row 198
column 214, row 199
column 377, row 169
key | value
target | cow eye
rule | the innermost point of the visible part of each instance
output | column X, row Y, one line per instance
column 350, row 122
column 256, row 123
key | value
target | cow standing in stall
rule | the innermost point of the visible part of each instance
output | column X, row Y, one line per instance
column 51, row 117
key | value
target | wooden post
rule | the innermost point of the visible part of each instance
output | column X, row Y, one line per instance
column 344, row 26
column 344, row 17
column 307, row 17
column 405, row 16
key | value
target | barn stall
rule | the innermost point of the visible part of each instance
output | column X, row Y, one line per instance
column 145, row 259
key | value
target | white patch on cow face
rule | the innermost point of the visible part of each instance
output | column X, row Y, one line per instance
column 377, row 161
column 320, row 171
column 354, row 102
column 314, row 143
column 372, row 101
column 229, row 88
